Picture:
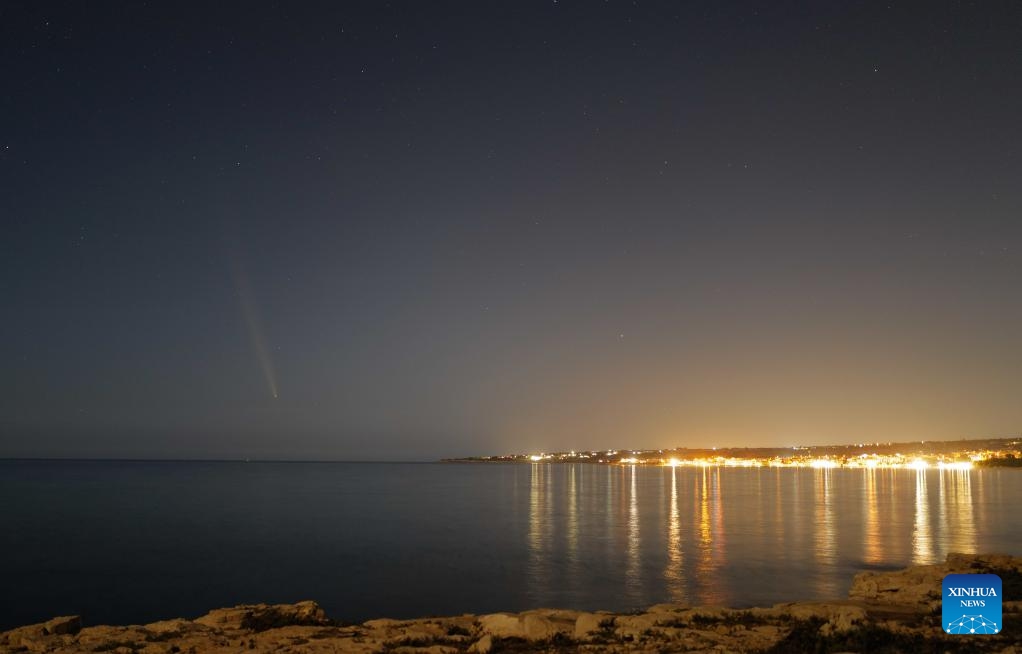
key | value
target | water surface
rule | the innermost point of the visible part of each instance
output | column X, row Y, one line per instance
column 121, row 542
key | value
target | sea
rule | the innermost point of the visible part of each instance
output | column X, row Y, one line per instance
column 129, row 542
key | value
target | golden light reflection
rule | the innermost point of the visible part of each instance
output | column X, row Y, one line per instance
column 705, row 539
column 891, row 484
column 779, row 511
column 720, row 549
column 674, row 571
column 796, row 522
column 871, row 541
column 962, row 519
column 764, row 501
column 572, row 535
column 711, row 548
column 537, row 545
column 825, row 533
column 633, row 575
column 922, row 542
column 608, row 512
column 785, row 516
column 942, row 518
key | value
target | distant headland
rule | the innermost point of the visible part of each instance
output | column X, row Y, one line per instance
column 919, row 455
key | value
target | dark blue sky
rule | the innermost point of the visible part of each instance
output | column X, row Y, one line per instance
column 458, row 228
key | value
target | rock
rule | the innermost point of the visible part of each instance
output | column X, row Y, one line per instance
column 463, row 625
column 538, row 627
column 260, row 617
column 587, row 624
column 531, row 625
column 916, row 585
column 767, row 630
column 105, row 638
column 13, row 638
column 710, row 613
column 921, row 585
column 840, row 617
column 36, row 637
column 502, row 625
column 959, row 562
column 68, row 624
column 166, row 629
column 900, row 608
column 412, row 632
column 383, row 623
column 845, row 618
column 482, row 646
column 635, row 626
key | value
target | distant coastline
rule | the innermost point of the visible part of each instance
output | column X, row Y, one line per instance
column 957, row 454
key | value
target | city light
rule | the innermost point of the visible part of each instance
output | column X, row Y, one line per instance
column 949, row 455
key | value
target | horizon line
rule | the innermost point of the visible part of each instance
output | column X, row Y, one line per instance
column 465, row 457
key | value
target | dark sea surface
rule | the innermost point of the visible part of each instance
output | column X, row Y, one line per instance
column 133, row 542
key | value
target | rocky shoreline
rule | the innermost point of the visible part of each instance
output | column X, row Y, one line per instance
column 885, row 612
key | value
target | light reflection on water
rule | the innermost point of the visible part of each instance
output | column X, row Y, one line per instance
column 574, row 481
column 674, row 572
column 406, row 540
column 680, row 534
column 633, row 575
column 872, row 548
column 825, row 533
column 922, row 544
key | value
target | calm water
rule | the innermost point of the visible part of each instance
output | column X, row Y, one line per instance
column 134, row 542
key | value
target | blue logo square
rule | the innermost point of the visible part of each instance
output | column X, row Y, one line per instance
column 971, row 604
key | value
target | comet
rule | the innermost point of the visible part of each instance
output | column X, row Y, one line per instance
column 249, row 310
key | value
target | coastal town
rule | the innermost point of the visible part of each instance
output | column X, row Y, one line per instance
column 920, row 455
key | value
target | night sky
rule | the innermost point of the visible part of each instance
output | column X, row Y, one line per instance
column 412, row 230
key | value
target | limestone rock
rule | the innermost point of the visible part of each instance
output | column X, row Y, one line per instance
column 921, row 585
column 432, row 649
column 260, row 617
column 531, row 625
column 541, row 625
column 502, row 625
column 383, row 623
column 900, row 606
column 635, row 626
column 68, row 624
column 839, row 617
column 482, row 646
column 35, row 636
column 587, row 624
column 414, row 631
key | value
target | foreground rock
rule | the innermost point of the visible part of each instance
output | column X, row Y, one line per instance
column 886, row 612
column 920, row 585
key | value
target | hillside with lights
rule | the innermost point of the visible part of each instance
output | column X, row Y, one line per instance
column 918, row 455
